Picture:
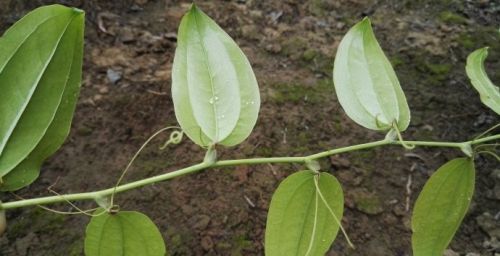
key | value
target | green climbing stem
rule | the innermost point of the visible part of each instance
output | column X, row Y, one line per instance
column 221, row 163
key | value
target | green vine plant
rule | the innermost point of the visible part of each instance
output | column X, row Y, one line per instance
column 216, row 100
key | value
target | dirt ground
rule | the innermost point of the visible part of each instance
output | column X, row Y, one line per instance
column 125, row 97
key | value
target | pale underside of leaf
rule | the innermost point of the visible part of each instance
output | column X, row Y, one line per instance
column 489, row 93
column 366, row 85
column 215, row 99
column 441, row 207
column 214, row 89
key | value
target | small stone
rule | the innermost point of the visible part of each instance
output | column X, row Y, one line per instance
column 340, row 162
column 136, row 8
column 256, row 14
column 489, row 224
column 104, row 90
column 110, row 57
column 273, row 48
column 495, row 174
column 309, row 54
column 399, row 210
column 250, row 32
column 407, row 222
column 472, row 254
column 294, row 46
column 390, row 219
column 223, row 246
column 368, row 203
column 84, row 131
column 492, row 244
column 207, row 243
column 170, row 36
column 113, row 76
column 163, row 74
column 450, row 252
column 97, row 97
column 200, row 221
column 187, row 209
column 127, row 35
column 377, row 246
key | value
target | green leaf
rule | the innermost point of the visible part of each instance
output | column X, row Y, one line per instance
column 123, row 233
column 489, row 93
column 214, row 90
column 441, row 207
column 22, row 176
column 40, row 73
column 299, row 222
column 366, row 85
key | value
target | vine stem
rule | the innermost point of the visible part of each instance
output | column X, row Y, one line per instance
column 96, row 195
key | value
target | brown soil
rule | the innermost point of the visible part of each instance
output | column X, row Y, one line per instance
column 291, row 45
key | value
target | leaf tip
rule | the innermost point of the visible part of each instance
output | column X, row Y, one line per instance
column 194, row 8
column 366, row 21
column 484, row 50
column 78, row 11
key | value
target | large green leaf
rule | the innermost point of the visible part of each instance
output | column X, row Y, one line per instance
column 299, row 222
column 489, row 93
column 40, row 73
column 123, row 233
column 366, row 85
column 441, row 207
column 214, row 90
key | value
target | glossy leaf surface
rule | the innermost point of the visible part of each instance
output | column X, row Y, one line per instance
column 299, row 222
column 489, row 93
column 40, row 74
column 441, row 207
column 214, row 90
column 123, row 233
column 366, row 85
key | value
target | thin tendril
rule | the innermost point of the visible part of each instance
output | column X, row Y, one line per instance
column 313, row 233
column 133, row 159
column 489, row 153
column 85, row 212
column 400, row 138
column 494, row 145
column 78, row 210
column 332, row 213
column 487, row 131
column 70, row 203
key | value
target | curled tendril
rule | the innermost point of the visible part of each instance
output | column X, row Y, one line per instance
column 400, row 137
column 175, row 138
